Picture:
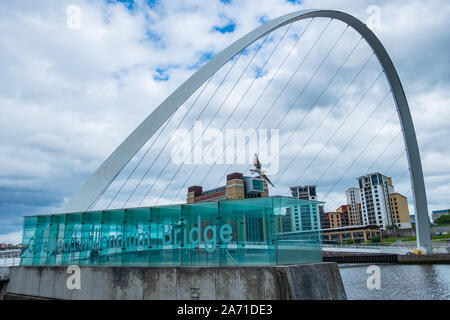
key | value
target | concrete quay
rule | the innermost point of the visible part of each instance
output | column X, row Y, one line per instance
column 318, row 281
column 357, row 257
column 432, row 258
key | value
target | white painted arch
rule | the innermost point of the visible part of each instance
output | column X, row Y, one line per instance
column 109, row 169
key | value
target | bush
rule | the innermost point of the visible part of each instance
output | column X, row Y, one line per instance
column 375, row 240
column 349, row 241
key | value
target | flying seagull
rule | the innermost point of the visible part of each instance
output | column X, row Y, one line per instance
column 258, row 170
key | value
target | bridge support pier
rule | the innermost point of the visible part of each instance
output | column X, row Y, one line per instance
column 294, row 282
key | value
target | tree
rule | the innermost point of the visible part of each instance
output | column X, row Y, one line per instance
column 393, row 226
column 445, row 219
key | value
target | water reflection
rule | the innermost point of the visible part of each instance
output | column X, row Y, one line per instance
column 398, row 282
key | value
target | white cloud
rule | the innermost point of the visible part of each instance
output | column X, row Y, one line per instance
column 69, row 97
column 12, row 237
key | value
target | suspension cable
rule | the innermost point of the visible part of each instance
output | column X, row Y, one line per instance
column 241, row 99
column 334, row 133
column 141, row 159
column 396, row 159
column 284, row 88
column 226, row 121
column 160, row 152
column 360, row 154
column 318, row 98
column 200, row 138
column 340, row 126
column 386, row 173
column 385, row 149
column 204, row 108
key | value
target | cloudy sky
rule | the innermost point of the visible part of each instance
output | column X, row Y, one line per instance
column 71, row 90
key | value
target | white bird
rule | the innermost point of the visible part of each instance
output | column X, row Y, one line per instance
column 258, row 170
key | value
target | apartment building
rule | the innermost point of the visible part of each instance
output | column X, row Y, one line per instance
column 374, row 190
column 354, row 200
column 400, row 211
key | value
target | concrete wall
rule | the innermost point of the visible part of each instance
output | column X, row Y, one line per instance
column 435, row 229
column 307, row 281
column 3, row 284
column 399, row 233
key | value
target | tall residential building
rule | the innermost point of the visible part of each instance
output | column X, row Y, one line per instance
column 400, row 210
column 354, row 200
column 374, row 190
column 305, row 192
column 316, row 219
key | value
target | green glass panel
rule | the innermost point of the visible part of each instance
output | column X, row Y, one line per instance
column 90, row 238
column 42, row 239
column 164, row 250
column 258, row 231
column 28, row 240
column 72, row 238
column 56, row 239
column 112, row 237
column 302, row 243
column 136, row 237
column 198, row 233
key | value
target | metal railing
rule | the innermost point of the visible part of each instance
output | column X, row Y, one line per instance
column 399, row 247
column 8, row 259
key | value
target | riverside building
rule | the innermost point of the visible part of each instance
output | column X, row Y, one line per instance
column 237, row 187
column 376, row 203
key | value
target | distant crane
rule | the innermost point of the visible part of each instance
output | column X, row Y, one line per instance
column 258, row 170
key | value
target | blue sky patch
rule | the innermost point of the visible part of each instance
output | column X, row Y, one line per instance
column 127, row 3
column 152, row 3
column 259, row 72
column 264, row 19
column 226, row 28
column 155, row 38
column 131, row 4
column 161, row 74
column 205, row 57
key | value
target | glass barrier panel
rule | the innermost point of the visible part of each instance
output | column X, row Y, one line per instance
column 41, row 243
column 164, row 251
column 72, row 237
column 300, row 241
column 112, row 237
column 28, row 240
column 249, row 232
column 136, row 237
column 198, row 234
column 56, row 239
column 90, row 237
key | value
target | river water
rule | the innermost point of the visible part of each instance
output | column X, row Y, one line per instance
column 403, row 282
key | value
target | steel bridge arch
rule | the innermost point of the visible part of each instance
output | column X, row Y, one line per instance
column 106, row 173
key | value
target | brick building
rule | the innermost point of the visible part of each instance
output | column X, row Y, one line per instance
column 237, row 187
